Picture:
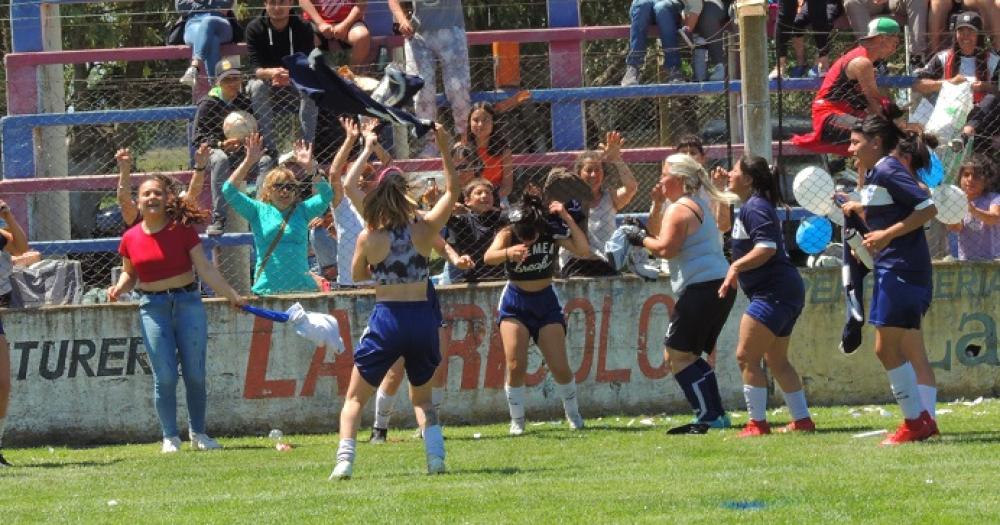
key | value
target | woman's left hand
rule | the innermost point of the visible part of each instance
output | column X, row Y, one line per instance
column 303, row 154
column 202, row 155
column 729, row 282
column 612, row 146
column 557, row 208
column 876, row 241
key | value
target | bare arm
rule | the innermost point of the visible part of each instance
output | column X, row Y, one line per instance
column 211, row 276
column 507, row 169
column 126, row 280
column 352, row 187
column 497, row 252
column 357, row 13
column 877, row 240
column 198, row 174
column 439, row 214
column 673, row 231
column 862, row 70
column 368, row 131
column 359, row 264
column 988, row 216
column 17, row 241
column 130, row 212
column 613, row 154
column 255, row 149
column 405, row 28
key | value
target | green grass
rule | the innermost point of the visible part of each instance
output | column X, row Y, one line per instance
column 619, row 470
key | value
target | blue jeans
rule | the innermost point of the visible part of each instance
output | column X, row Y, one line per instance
column 174, row 328
column 667, row 16
column 205, row 33
column 264, row 97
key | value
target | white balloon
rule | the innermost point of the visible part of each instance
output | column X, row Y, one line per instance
column 238, row 125
column 836, row 215
column 952, row 203
column 813, row 189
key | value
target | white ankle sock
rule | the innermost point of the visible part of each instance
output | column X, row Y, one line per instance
column 437, row 397
column 345, row 452
column 567, row 393
column 796, row 402
column 928, row 397
column 515, row 401
column 904, row 388
column 383, row 408
column 756, row 398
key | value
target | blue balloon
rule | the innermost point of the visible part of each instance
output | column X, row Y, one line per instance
column 932, row 175
column 813, row 234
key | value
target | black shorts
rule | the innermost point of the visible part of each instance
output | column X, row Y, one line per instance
column 837, row 128
column 698, row 318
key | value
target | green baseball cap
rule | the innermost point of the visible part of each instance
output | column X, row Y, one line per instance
column 882, row 26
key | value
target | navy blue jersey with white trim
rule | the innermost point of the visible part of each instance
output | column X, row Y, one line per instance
column 757, row 224
column 890, row 194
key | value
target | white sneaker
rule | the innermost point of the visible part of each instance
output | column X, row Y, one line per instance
column 203, row 442
column 575, row 421
column 717, row 73
column 171, row 445
column 435, row 465
column 190, row 76
column 517, row 426
column 344, row 470
column 631, row 77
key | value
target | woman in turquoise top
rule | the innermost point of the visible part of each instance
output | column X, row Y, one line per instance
column 286, row 269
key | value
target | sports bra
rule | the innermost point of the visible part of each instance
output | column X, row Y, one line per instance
column 404, row 264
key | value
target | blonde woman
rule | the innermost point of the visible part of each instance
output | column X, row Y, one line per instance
column 279, row 222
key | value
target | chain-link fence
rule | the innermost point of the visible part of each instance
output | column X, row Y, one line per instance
column 651, row 126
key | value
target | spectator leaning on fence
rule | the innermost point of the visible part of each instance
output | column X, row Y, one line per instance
column 860, row 13
column 274, row 34
column 279, row 222
column 979, row 231
column 130, row 212
column 340, row 26
column 942, row 10
column 435, row 32
column 206, row 28
column 470, row 231
column 227, row 96
column 13, row 242
column 604, row 206
column 849, row 91
column 491, row 149
column 161, row 254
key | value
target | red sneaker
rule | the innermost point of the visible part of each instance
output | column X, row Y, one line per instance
column 926, row 416
column 800, row 425
column 755, row 428
column 910, row 431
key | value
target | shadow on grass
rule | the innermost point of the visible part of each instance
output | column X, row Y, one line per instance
column 64, row 464
column 972, row 436
column 502, row 471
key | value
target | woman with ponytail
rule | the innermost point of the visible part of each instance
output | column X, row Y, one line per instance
column 895, row 209
column 776, row 293
column 529, row 307
column 392, row 251
column 161, row 256
column 687, row 236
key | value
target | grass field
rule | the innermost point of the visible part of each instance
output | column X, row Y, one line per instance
column 620, row 470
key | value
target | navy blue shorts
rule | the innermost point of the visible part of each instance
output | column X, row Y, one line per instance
column 777, row 315
column 534, row 310
column 432, row 297
column 897, row 302
column 399, row 329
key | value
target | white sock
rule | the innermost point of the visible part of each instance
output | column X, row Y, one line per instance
column 756, row 398
column 928, row 396
column 437, row 397
column 384, row 404
column 904, row 388
column 434, row 441
column 796, row 402
column 567, row 393
column 345, row 452
column 515, row 401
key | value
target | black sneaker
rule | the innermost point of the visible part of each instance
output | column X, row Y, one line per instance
column 3, row 462
column 378, row 436
column 691, row 428
column 216, row 228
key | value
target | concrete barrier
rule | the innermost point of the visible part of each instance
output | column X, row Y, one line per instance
column 80, row 374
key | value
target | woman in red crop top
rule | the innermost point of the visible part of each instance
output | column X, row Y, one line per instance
column 492, row 149
column 160, row 256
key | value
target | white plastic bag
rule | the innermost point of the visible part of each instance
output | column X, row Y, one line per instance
column 953, row 105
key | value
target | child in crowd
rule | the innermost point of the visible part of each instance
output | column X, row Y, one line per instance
column 340, row 24
column 471, row 231
column 979, row 231
column 491, row 148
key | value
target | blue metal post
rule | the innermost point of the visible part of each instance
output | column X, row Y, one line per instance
column 566, row 70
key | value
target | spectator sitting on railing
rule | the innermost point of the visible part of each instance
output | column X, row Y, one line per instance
column 277, row 33
column 435, row 31
column 942, row 10
column 227, row 96
column 849, row 91
column 470, row 232
column 604, row 206
column 794, row 18
column 860, row 13
column 340, row 27
column 13, row 242
column 979, row 231
column 128, row 207
column 279, row 222
column 704, row 17
column 206, row 28
column 492, row 150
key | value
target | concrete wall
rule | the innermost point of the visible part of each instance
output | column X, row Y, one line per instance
column 80, row 375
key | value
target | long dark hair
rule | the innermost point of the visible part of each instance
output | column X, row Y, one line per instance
column 497, row 143
column 529, row 219
column 905, row 142
column 763, row 180
column 883, row 127
column 177, row 209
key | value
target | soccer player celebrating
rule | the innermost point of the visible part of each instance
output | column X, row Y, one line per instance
column 895, row 209
column 776, row 294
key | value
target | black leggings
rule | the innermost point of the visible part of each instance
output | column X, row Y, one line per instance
column 817, row 14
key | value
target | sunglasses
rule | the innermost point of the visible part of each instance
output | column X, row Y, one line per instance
column 286, row 186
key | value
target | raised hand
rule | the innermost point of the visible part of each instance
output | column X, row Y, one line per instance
column 123, row 158
column 612, row 146
column 255, row 148
column 351, row 129
column 303, row 153
column 201, row 155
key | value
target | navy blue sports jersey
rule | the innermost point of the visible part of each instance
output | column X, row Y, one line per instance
column 890, row 194
column 757, row 224
column 540, row 262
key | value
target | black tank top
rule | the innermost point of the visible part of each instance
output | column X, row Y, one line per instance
column 540, row 262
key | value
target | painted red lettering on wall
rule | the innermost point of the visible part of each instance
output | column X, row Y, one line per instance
column 468, row 348
column 257, row 385
column 645, row 367
column 589, row 329
column 603, row 374
column 341, row 365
